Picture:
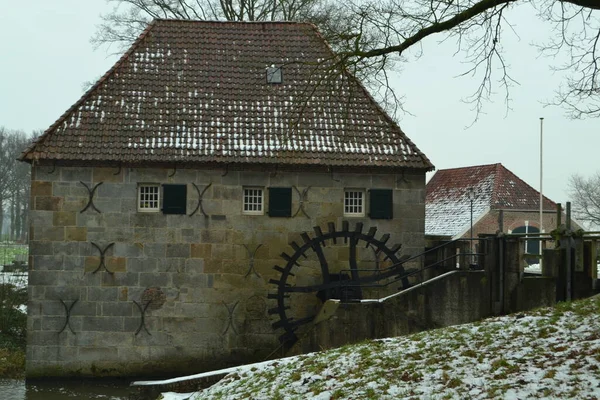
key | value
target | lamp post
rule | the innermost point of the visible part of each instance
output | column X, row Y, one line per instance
column 471, row 195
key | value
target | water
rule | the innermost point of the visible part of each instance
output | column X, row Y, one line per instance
column 14, row 389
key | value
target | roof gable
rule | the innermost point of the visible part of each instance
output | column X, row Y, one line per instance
column 447, row 203
column 191, row 91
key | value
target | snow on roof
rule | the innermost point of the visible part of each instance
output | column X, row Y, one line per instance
column 197, row 91
column 447, row 203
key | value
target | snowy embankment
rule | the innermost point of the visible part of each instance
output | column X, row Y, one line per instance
column 546, row 353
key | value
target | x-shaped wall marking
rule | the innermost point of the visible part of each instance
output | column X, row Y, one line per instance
column 102, row 257
column 143, row 315
column 200, row 194
column 68, row 316
column 230, row 311
column 251, row 255
column 302, row 196
column 91, row 192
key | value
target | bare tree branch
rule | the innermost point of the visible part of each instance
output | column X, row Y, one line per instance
column 374, row 37
column 586, row 198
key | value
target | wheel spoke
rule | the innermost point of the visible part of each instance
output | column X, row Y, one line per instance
column 352, row 259
column 342, row 287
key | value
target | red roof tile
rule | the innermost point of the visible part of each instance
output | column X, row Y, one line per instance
column 447, row 204
column 190, row 91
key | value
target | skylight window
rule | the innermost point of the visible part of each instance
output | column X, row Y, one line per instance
column 274, row 74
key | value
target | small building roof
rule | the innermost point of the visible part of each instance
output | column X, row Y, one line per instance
column 447, row 203
column 197, row 92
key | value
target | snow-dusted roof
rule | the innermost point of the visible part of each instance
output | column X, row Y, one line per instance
column 193, row 91
column 447, row 203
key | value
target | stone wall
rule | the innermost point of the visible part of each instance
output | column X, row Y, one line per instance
column 512, row 220
column 120, row 292
column 454, row 298
column 457, row 298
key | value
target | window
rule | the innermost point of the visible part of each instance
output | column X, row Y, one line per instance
column 148, row 197
column 174, row 199
column 280, row 202
column 354, row 203
column 253, row 201
column 532, row 246
column 381, row 203
column 170, row 199
column 274, row 74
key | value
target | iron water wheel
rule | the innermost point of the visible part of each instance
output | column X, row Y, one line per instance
column 345, row 285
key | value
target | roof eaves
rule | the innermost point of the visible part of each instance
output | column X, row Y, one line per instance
column 460, row 234
column 28, row 154
column 428, row 164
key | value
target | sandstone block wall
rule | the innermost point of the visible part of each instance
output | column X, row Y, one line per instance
column 121, row 292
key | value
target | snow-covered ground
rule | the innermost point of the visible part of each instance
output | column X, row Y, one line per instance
column 17, row 279
column 533, row 269
column 536, row 269
column 546, row 353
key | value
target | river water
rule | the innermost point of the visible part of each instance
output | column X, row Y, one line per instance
column 13, row 389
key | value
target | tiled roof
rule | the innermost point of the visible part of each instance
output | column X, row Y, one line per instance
column 447, row 204
column 191, row 91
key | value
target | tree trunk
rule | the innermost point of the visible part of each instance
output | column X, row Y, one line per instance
column 25, row 215
column 1, row 217
column 18, row 215
column 12, row 218
column 24, row 221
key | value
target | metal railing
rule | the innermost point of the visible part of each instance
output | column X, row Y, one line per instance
column 374, row 275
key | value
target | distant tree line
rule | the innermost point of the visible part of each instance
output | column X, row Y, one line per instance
column 14, row 184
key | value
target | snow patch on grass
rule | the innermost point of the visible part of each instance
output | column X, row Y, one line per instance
column 546, row 353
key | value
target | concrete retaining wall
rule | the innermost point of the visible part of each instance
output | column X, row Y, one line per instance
column 459, row 297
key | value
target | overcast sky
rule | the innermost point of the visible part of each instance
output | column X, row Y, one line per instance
column 47, row 58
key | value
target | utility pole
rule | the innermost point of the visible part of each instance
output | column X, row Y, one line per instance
column 541, row 187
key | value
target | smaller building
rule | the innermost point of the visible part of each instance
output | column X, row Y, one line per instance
column 491, row 197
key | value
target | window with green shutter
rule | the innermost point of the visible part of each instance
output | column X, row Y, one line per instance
column 174, row 199
column 280, row 202
column 381, row 204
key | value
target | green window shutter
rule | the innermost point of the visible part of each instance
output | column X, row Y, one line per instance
column 381, row 204
column 280, row 202
column 174, row 199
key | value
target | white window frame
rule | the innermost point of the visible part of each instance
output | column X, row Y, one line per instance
column 155, row 207
column 253, row 196
column 354, row 205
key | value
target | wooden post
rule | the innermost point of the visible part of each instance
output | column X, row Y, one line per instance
column 568, row 255
column 578, row 267
column 501, row 243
